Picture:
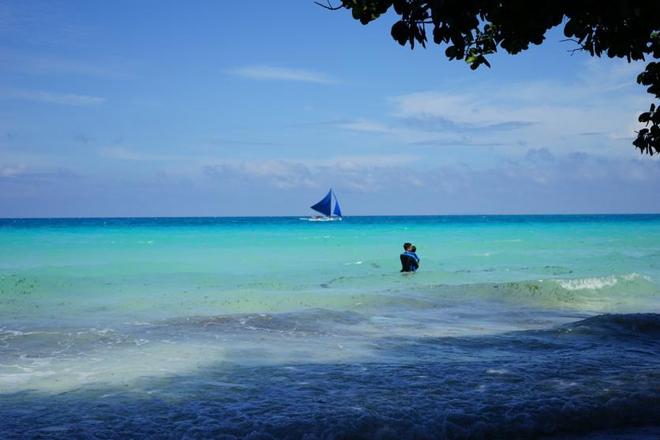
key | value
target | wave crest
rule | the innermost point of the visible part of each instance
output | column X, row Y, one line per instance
column 614, row 293
column 596, row 283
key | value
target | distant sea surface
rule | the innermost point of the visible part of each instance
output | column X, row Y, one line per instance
column 514, row 327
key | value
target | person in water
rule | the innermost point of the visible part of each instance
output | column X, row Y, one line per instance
column 413, row 253
column 409, row 258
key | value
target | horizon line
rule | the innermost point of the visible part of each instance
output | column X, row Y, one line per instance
column 351, row 216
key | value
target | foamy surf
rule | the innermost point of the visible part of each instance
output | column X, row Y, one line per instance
column 596, row 283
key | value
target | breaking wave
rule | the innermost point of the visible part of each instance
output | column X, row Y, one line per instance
column 621, row 293
column 599, row 282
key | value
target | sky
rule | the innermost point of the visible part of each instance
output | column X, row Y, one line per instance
column 207, row 108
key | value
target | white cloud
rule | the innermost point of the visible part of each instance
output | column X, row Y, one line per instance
column 282, row 74
column 123, row 153
column 12, row 170
column 362, row 173
column 43, row 64
column 538, row 181
column 527, row 105
column 54, row 98
column 603, row 101
column 541, row 168
column 380, row 160
column 278, row 173
column 366, row 126
column 588, row 98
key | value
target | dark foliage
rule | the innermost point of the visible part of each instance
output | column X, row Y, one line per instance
column 470, row 30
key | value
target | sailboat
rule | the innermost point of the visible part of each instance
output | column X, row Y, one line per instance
column 324, row 207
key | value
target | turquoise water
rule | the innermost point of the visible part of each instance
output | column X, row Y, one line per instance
column 514, row 326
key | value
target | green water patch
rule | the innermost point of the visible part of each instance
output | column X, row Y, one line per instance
column 36, row 295
column 626, row 292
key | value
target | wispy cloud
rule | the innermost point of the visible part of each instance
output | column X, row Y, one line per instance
column 123, row 153
column 366, row 126
column 540, row 170
column 360, row 173
column 433, row 131
column 535, row 113
column 536, row 181
column 457, row 142
column 223, row 141
column 12, row 170
column 42, row 64
column 42, row 23
column 282, row 74
column 467, row 109
column 542, row 108
column 24, row 173
column 53, row 98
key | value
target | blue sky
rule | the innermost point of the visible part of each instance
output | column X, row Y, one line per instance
column 157, row 108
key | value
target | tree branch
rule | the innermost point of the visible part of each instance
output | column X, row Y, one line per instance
column 577, row 42
column 329, row 6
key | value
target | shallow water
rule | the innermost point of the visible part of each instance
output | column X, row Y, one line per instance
column 514, row 327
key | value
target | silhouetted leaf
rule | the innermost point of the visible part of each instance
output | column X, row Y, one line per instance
column 400, row 32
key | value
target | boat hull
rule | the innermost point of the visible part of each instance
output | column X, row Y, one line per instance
column 321, row 219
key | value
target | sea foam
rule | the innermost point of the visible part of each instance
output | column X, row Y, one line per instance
column 596, row 283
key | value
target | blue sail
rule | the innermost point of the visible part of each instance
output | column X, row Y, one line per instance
column 324, row 206
column 337, row 210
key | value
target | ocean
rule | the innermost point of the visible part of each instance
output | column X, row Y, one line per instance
column 514, row 327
